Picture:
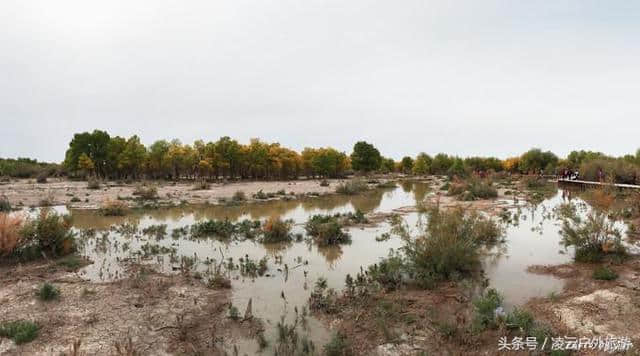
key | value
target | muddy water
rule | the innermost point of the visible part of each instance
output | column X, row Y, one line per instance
column 294, row 267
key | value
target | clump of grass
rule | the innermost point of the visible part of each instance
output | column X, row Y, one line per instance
column 202, row 185
column 260, row 195
column 604, row 273
column 276, row 230
column 521, row 320
column 20, row 331
column 262, row 341
column 218, row 280
column 352, row 187
column 42, row 178
column 473, row 189
column 71, row 262
column 326, row 230
column 324, row 183
column 485, row 306
column 113, row 208
column 219, row 228
column 10, row 237
column 158, row 231
column 146, row 192
column 5, row 205
column 323, row 298
column 337, row 346
column 48, row 292
column 239, row 196
column 389, row 272
column 93, row 183
column 234, row 313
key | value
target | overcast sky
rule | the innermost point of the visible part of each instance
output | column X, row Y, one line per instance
column 464, row 77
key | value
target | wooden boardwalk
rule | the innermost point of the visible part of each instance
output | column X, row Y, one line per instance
column 586, row 183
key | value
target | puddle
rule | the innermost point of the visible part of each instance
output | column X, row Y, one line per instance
column 533, row 240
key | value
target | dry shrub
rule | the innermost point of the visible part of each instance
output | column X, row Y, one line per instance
column 146, row 193
column 602, row 199
column 276, row 230
column 113, row 208
column 10, row 238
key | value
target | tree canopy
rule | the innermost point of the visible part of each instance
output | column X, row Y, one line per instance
column 365, row 157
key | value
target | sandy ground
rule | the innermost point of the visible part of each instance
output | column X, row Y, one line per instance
column 160, row 314
column 589, row 307
column 61, row 192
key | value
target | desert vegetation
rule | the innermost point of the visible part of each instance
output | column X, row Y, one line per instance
column 47, row 234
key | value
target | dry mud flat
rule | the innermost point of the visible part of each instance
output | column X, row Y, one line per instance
column 61, row 192
column 592, row 308
column 157, row 314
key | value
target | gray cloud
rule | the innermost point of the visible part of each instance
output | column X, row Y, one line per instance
column 464, row 77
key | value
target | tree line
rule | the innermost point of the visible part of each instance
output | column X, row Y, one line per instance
column 114, row 157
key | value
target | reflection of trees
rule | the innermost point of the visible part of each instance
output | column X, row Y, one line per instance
column 407, row 186
column 91, row 219
column 331, row 253
column 327, row 202
column 420, row 191
column 368, row 201
column 276, row 249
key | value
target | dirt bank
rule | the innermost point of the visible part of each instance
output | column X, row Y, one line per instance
column 76, row 194
column 588, row 307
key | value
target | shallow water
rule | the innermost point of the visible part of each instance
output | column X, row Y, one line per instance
column 294, row 267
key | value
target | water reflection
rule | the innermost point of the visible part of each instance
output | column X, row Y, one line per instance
column 531, row 238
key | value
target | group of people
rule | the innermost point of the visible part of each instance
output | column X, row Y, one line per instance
column 568, row 174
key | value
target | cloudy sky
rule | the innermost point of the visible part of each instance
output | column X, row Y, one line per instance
column 465, row 77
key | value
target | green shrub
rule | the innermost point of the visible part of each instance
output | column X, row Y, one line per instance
column 521, row 320
column 389, row 272
column 485, row 306
column 352, row 187
column 93, row 183
column 5, row 206
column 42, row 178
column 604, row 273
column 239, row 196
column 48, row 292
column 234, row 313
column 449, row 247
column 20, row 331
column 220, row 228
column 326, row 230
column 337, row 346
column 260, row 195
column 592, row 237
column 50, row 233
